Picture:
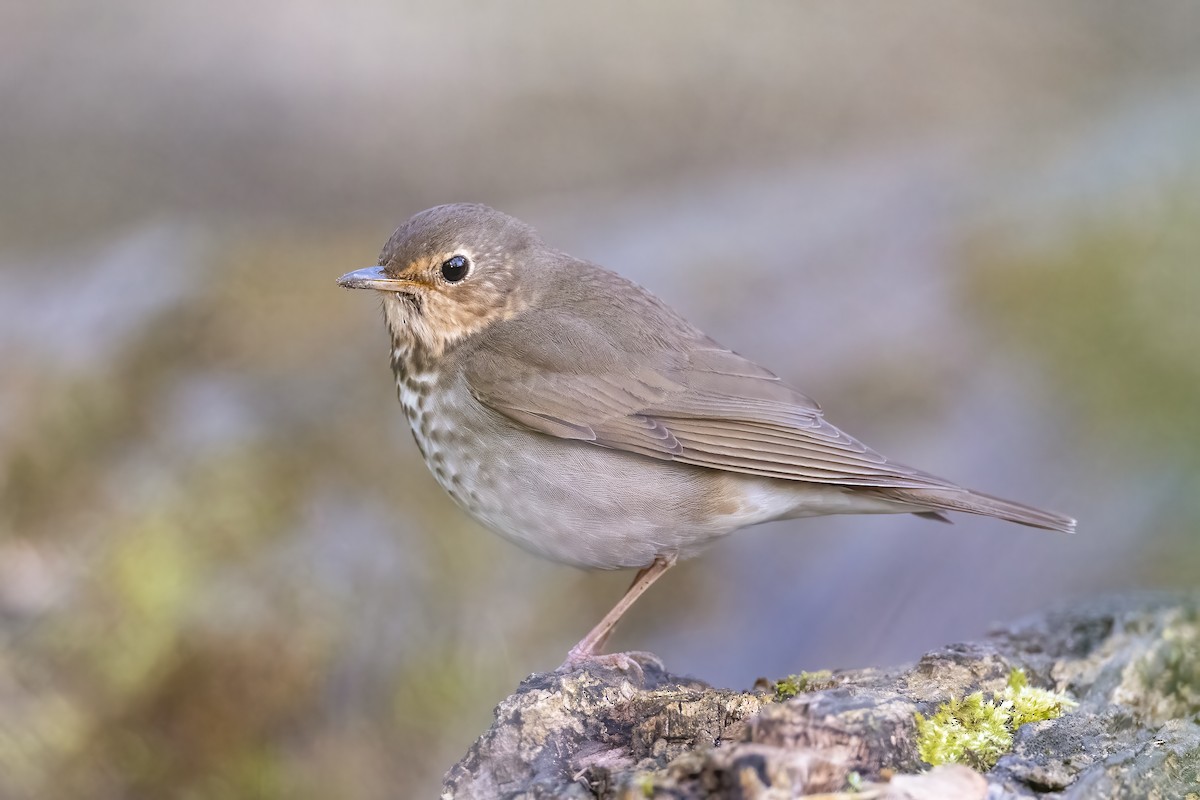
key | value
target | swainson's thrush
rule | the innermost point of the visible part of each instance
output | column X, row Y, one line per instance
column 575, row 414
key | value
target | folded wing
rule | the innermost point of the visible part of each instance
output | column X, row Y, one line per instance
column 702, row 405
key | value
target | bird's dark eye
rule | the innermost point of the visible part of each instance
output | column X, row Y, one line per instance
column 455, row 268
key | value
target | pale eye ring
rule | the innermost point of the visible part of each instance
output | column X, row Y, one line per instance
column 455, row 268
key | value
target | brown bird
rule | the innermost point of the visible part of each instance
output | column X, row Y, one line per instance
column 575, row 414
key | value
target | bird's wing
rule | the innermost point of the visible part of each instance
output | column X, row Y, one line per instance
column 702, row 405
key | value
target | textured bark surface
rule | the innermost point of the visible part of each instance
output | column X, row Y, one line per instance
column 1132, row 663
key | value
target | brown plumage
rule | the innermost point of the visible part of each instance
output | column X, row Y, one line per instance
column 576, row 414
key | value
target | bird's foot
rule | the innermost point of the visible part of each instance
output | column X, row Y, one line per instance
column 632, row 663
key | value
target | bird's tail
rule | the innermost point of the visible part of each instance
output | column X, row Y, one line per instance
column 956, row 499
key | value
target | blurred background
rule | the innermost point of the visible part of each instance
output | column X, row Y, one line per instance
column 970, row 232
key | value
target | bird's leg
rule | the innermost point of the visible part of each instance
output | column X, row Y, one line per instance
column 589, row 646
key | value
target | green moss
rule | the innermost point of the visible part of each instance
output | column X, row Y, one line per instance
column 792, row 685
column 970, row 731
column 1031, row 704
column 976, row 731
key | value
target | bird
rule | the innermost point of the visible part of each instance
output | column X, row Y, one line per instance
column 575, row 414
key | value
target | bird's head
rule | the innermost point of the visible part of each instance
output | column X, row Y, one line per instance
column 449, row 272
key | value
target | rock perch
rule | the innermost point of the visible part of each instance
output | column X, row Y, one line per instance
column 1132, row 664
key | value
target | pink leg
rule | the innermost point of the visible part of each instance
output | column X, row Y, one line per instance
column 589, row 646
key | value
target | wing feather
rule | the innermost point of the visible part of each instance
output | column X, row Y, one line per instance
column 703, row 405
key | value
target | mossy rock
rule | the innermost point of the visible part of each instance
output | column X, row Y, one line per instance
column 1128, row 663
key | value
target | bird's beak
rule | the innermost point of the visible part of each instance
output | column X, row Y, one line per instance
column 374, row 278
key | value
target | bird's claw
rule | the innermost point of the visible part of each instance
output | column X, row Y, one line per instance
column 633, row 662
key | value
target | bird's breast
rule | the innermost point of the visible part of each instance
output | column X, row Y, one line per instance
column 445, row 427
column 416, row 391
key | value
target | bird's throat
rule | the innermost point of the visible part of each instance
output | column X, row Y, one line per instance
column 414, row 347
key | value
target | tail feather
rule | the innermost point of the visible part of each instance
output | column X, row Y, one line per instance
column 955, row 499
